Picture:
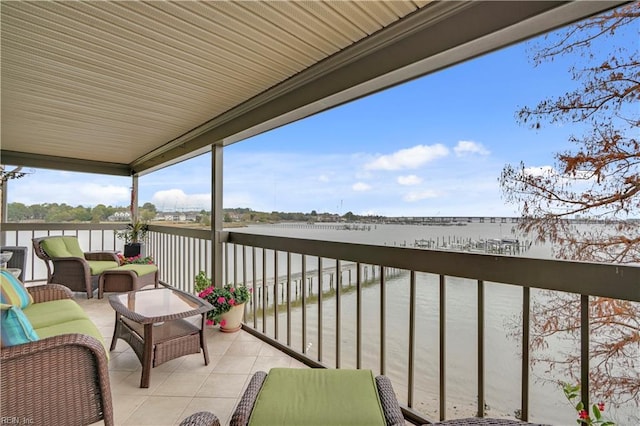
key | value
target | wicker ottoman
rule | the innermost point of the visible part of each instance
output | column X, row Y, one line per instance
column 127, row 278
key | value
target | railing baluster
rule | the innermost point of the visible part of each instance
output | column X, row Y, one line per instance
column 584, row 350
column 524, row 392
column 320, row 319
column 480, row 349
column 275, row 294
column 303, row 279
column 254, row 281
column 443, row 352
column 235, row 264
column 338, row 316
column 383, row 320
column 358, row 316
column 289, row 299
column 264, row 290
column 412, row 338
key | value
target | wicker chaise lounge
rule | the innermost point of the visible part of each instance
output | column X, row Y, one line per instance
column 390, row 407
column 68, row 265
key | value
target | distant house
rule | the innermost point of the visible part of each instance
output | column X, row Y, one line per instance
column 120, row 217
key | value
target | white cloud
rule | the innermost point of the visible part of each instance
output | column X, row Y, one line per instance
column 409, row 180
column 323, row 178
column 469, row 147
column 74, row 189
column 419, row 195
column 361, row 186
column 410, row 158
column 177, row 199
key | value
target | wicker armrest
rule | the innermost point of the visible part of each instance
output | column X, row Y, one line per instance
column 101, row 255
column 390, row 406
column 203, row 418
column 48, row 292
column 243, row 410
column 75, row 363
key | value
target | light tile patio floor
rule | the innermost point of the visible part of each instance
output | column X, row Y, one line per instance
column 185, row 385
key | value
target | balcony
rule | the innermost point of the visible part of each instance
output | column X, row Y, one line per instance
column 441, row 368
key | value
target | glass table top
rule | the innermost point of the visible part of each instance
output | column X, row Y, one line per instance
column 158, row 303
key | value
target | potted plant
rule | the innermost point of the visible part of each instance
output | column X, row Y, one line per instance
column 134, row 236
column 227, row 301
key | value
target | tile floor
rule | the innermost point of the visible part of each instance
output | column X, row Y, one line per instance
column 185, row 385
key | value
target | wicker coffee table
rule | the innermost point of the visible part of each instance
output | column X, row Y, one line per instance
column 154, row 324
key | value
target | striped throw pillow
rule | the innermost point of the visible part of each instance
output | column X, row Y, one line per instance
column 15, row 328
column 13, row 292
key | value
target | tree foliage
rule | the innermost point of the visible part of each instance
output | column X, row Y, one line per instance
column 598, row 180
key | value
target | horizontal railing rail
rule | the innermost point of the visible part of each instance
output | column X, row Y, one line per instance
column 311, row 296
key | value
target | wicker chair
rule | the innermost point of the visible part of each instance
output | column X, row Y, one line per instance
column 203, row 418
column 390, row 407
column 59, row 380
column 18, row 260
column 73, row 272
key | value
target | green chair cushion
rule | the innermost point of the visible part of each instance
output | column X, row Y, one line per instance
column 15, row 328
column 140, row 269
column 79, row 326
column 54, row 312
column 99, row 266
column 13, row 292
column 62, row 247
column 291, row 396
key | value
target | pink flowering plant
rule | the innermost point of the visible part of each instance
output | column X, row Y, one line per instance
column 221, row 298
column 572, row 393
column 137, row 260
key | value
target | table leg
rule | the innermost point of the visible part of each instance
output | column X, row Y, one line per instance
column 116, row 332
column 146, row 356
column 203, row 343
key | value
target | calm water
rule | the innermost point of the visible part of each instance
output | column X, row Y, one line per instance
column 502, row 306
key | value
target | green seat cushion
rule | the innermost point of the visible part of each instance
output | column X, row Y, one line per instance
column 62, row 247
column 139, row 269
column 291, row 396
column 13, row 292
column 54, row 312
column 15, row 328
column 79, row 326
column 99, row 266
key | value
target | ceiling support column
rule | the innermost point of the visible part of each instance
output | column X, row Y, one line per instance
column 134, row 198
column 4, row 215
column 216, row 215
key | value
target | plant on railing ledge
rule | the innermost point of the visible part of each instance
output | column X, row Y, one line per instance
column 572, row 393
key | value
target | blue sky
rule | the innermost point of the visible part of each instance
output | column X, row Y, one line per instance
column 432, row 146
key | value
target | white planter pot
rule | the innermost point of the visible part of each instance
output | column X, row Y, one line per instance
column 232, row 320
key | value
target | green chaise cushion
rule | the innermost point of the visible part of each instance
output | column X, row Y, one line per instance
column 62, row 247
column 79, row 326
column 54, row 312
column 291, row 396
column 140, row 269
column 99, row 266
